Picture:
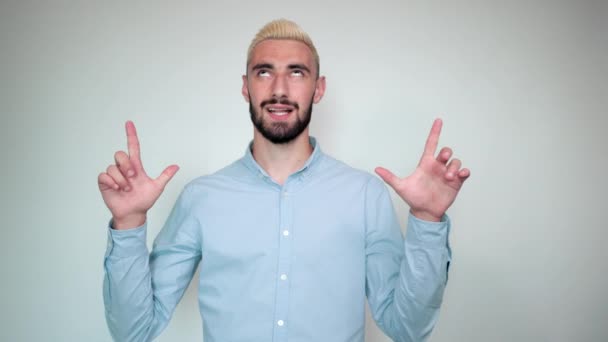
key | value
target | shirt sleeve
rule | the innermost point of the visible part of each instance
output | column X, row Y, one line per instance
column 141, row 291
column 405, row 279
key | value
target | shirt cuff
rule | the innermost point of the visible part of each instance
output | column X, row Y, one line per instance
column 126, row 242
column 427, row 233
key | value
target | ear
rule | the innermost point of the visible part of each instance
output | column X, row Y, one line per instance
column 319, row 89
column 245, row 90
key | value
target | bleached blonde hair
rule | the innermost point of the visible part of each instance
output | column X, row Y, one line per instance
column 283, row 29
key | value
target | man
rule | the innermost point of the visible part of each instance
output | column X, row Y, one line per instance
column 290, row 241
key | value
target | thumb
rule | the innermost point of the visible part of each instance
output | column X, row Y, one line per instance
column 167, row 174
column 387, row 176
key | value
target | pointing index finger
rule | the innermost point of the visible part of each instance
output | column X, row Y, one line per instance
column 433, row 139
column 133, row 143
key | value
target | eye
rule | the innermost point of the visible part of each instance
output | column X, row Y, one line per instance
column 263, row 73
column 297, row 72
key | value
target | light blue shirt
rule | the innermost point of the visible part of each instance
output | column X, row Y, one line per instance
column 281, row 263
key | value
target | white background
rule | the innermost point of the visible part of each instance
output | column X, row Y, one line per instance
column 521, row 86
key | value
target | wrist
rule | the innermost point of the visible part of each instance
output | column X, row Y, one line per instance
column 128, row 222
column 425, row 216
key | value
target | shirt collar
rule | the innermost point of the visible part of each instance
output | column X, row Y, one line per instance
column 303, row 172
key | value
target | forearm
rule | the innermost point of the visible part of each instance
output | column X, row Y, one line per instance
column 418, row 294
column 130, row 308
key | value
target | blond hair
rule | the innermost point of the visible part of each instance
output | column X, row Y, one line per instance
column 283, row 29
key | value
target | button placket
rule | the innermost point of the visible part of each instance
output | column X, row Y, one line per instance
column 284, row 264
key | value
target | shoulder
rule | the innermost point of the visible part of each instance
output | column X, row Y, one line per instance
column 229, row 177
column 338, row 170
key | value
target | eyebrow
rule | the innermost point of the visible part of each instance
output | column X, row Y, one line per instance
column 271, row 67
column 262, row 66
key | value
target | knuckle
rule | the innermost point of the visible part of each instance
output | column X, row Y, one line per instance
column 120, row 180
column 119, row 156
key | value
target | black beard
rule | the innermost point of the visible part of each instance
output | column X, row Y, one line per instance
column 280, row 132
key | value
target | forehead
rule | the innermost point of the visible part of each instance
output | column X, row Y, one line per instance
column 282, row 51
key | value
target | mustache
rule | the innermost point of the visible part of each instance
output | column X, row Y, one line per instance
column 282, row 100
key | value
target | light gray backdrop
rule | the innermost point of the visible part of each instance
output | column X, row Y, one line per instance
column 521, row 86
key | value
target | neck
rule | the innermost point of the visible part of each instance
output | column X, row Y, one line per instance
column 281, row 160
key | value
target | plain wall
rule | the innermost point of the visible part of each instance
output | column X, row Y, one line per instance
column 521, row 86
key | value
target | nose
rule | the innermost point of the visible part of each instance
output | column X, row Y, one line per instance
column 280, row 87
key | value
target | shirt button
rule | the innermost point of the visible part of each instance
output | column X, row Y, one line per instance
column 283, row 276
column 286, row 232
column 280, row 322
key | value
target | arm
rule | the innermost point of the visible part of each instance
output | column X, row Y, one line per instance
column 141, row 292
column 405, row 280
column 419, row 282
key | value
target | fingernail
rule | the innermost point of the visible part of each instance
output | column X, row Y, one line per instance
column 130, row 173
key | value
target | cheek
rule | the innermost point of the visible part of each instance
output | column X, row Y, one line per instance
column 258, row 93
column 253, row 97
column 303, row 92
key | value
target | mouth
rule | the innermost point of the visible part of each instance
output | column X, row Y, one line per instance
column 279, row 112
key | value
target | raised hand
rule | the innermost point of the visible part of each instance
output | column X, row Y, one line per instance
column 432, row 188
column 126, row 188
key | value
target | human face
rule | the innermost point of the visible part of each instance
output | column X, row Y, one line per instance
column 281, row 86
